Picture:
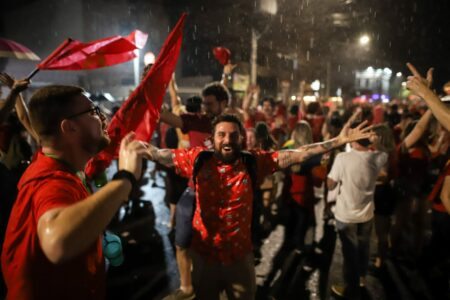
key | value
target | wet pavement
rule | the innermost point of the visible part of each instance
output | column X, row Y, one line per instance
column 149, row 270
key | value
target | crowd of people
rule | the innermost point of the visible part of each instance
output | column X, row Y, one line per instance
column 231, row 161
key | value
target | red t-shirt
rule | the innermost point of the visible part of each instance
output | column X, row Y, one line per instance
column 256, row 117
column 198, row 127
column 224, row 199
column 316, row 123
column 45, row 185
column 435, row 195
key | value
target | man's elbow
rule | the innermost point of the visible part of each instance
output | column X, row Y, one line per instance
column 331, row 184
column 54, row 249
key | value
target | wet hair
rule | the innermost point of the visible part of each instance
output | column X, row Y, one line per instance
column 49, row 106
column 302, row 134
column 313, row 108
column 263, row 136
column 194, row 104
column 294, row 109
column 270, row 100
column 218, row 90
column 229, row 118
column 386, row 140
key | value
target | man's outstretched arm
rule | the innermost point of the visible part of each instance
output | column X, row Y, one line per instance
column 171, row 119
column 162, row 156
column 347, row 135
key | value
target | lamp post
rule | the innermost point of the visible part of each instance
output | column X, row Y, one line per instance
column 265, row 7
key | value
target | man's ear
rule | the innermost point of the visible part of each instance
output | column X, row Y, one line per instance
column 223, row 105
column 67, row 126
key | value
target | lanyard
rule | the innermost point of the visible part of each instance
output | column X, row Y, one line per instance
column 80, row 174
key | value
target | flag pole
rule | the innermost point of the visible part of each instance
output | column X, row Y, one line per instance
column 50, row 57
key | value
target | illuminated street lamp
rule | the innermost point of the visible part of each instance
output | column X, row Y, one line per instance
column 364, row 40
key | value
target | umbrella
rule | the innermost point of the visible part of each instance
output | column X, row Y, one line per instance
column 12, row 49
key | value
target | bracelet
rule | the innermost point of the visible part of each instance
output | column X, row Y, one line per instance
column 123, row 174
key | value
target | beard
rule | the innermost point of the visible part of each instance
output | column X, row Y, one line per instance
column 94, row 145
column 227, row 153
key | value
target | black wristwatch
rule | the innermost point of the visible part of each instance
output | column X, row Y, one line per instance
column 123, row 174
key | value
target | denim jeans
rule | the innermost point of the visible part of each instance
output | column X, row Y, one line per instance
column 355, row 240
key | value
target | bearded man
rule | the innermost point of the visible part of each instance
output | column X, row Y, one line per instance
column 53, row 246
column 221, row 242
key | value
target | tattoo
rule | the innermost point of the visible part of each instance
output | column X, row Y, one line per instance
column 289, row 157
column 162, row 156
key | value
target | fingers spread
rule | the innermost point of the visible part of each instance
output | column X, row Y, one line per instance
column 364, row 123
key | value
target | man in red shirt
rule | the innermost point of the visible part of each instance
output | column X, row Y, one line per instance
column 198, row 126
column 221, row 242
column 52, row 247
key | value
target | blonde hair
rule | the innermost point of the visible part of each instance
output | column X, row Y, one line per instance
column 386, row 141
column 302, row 134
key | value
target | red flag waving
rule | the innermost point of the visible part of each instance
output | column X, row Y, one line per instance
column 222, row 54
column 75, row 55
column 141, row 109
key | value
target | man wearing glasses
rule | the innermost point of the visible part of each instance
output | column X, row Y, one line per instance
column 52, row 247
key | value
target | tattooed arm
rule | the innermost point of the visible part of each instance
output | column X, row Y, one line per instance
column 162, row 156
column 299, row 155
column 347, row 135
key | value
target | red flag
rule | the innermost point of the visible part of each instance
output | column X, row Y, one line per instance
column 222, row 54
column 140, row 112
column 75, row 55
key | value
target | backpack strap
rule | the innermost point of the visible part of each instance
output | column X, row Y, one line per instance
column 198, row 163
column 249, row 161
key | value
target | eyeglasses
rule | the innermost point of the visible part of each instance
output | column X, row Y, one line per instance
column 94, row 109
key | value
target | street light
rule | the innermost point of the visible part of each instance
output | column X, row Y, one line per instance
column 364, row 40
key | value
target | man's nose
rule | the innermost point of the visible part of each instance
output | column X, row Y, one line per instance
column 226, row 139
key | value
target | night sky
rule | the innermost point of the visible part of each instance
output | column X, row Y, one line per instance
column 311, row 32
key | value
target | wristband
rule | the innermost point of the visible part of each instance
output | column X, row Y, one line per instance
column 123, row 174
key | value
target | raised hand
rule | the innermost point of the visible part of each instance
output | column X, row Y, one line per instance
column 362, row 131
column 131, row 153
column 428, row 81
column 228, row 68
column 417, row 84
column 15, row 85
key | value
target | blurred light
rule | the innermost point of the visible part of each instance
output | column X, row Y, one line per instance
column 149, row 58
column 364, row 40
column 399, row 74
column 315, row 85
column 336, row 99
column 376, row 96
column 387, row 71
column 109, row 97
column 293, row 97
column 403, row 83
column 339, row 92
column 269, row 6
column 310, row 98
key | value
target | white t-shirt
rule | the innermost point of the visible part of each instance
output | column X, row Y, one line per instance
column 356, row 172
